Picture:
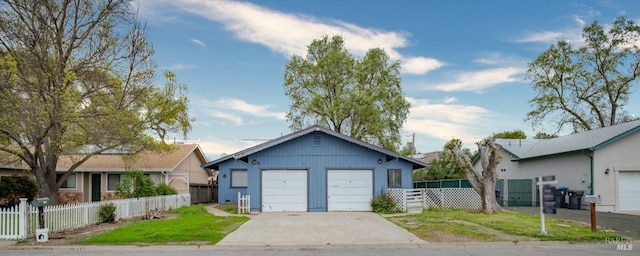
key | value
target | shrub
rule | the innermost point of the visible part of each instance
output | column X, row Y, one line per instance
column 12, row 188
column 135, row 184
column 383, row 203
column 164, row 189
column 107, row 213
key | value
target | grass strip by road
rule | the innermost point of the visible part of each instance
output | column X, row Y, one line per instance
column 194, row 224
column 483, row 227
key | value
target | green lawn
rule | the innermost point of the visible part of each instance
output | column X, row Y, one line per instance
column 193, row 225
column 494, row 227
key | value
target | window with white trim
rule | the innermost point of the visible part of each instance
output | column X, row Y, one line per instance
column 112, row 181
column 71, row 181
column 394, row 178
column 239, row 178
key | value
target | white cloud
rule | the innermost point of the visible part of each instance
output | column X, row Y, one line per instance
column 214, row 148
column 479, row 80
column 570, row 33
column 180, row 66
column 289, row 33
column 227, row 116
column 444, row 120
column 248, row 108
column 198, row 42
column 420, row 65
column 542, row 37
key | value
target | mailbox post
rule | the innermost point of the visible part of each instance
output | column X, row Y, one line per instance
column 42, row 234
column 592, row 200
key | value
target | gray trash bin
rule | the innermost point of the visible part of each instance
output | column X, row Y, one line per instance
column 575, row 199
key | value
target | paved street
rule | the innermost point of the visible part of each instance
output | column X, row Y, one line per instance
column 478, row 249
column 627, row 224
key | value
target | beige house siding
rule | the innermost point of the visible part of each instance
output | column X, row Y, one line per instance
column 619, row 156
column 188, row 172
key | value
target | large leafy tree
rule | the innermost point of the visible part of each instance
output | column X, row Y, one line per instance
column 361, row 98
column 76, row 78
column 586, row 87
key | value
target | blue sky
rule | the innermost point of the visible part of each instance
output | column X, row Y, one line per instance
column 463, row 62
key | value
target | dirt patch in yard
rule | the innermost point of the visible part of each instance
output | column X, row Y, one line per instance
column 68, row 237
column 443, row 233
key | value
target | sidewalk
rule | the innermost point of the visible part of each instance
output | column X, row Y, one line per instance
column 6, row 243
column 211, row 208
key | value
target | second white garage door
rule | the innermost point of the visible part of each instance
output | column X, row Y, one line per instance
column 629, row 191
column 349, row 190
column 284, row 191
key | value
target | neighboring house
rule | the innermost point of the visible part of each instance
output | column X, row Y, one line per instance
column 313, row 170
column 604, row 162
column 96, row 179
column 428, row 157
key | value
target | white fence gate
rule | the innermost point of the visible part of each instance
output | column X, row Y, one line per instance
column 22, row 220
column 244, row 203
column 415, row 200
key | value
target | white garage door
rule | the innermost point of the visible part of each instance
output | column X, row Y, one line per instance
column 284, row 191
column 349, row 190
column 629, row 191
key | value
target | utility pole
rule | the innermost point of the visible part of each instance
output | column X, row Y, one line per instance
column 413, row 145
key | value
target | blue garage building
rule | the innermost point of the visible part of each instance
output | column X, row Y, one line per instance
column 313, row 170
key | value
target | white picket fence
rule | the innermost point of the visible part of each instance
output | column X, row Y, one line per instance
column 22, row 220
column 415, row 200
column 244, row 203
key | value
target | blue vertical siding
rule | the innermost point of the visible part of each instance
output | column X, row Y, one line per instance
column 302, row 153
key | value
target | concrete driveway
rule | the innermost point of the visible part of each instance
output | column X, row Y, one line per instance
column 319, row 229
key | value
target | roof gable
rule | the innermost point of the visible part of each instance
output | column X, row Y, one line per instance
column 145, row 160
column 585, row 141
column 243, row 154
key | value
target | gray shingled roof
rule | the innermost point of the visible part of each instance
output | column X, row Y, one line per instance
column 516, row 147
column 589, row 141
column 315, row 128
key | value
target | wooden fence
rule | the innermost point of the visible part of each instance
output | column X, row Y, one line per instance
column 203, row 193
column 22, row 220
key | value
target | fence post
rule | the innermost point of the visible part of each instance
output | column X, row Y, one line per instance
column 404, row 200
column 22, row 218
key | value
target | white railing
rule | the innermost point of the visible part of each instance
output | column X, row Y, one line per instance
column 244, row 203
column 407, row 200
column 22, row 220
column 414, row 200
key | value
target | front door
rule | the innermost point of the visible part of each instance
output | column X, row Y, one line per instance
column 95, row 187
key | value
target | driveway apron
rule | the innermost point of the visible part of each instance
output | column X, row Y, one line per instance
column 319, row 229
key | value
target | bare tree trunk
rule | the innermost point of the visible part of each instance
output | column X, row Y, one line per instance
column 483, row 182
